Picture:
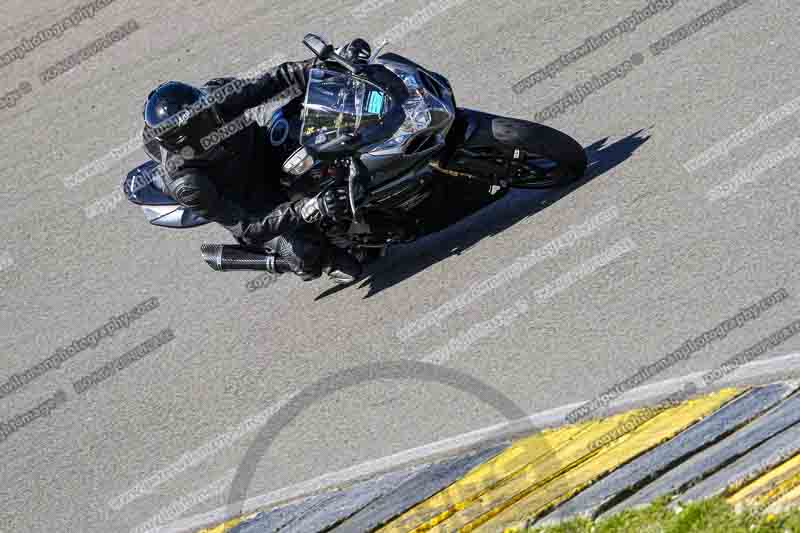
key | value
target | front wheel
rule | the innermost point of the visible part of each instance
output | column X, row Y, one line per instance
column 517, row 153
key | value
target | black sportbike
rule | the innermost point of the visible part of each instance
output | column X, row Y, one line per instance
column 390, row 130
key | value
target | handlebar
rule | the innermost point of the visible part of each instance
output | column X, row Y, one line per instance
column 326, row 52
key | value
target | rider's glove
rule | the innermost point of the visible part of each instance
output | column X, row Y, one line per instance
column 332, row 205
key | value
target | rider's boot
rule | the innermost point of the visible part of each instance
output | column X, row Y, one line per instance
column 341, row 267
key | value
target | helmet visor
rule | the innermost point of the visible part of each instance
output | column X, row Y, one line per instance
column 191, row 131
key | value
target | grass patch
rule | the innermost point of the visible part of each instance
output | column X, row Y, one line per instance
column 711, row 516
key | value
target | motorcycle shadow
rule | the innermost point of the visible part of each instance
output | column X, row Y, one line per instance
column 405, row 261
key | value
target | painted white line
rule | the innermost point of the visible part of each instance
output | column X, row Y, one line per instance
column 198, row 455
column 183, row 504
column 781, row 368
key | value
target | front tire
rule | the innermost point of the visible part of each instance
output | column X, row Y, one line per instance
column 543, row 157
column 517, row 153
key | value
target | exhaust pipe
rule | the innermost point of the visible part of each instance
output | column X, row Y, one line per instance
column 225, row 257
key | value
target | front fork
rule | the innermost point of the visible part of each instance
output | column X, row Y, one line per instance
column 458, row 161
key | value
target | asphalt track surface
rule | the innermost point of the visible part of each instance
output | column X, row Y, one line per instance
column 236, row 352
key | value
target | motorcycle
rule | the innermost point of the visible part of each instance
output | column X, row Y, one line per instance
column 391, row 132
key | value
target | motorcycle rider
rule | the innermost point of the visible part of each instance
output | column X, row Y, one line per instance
column 235, row 182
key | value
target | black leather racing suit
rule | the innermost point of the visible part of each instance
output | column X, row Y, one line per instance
column 237, row 184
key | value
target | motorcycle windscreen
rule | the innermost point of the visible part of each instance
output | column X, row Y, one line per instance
column 340, row 104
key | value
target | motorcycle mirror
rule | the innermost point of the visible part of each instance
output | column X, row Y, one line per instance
column 317, row 44
column 325, row 52
column 374, row 56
